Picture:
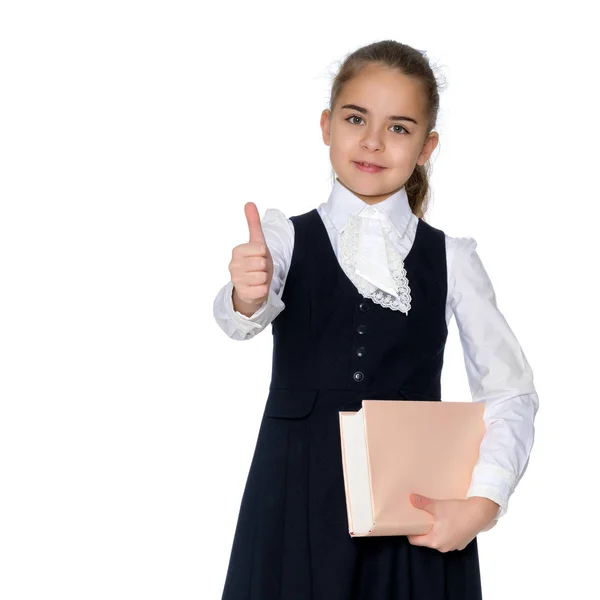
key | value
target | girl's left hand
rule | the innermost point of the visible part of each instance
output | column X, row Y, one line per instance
column 456, row 522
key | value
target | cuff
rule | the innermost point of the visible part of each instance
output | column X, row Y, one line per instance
column 256, row 321
column 494, row 483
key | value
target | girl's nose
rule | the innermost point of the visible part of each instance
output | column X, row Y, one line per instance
column 372, row 141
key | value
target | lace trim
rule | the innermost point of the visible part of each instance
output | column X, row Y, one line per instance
column 349, row 247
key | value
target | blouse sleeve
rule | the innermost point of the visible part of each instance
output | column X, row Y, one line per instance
column 279, row 236
column 498, row 374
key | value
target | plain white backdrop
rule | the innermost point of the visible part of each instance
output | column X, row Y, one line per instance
column 131, row 135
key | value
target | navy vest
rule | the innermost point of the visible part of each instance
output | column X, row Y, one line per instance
column 332, row 349
column 330, row 338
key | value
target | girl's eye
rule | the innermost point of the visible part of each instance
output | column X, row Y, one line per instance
column 353, row 117
column 401, row 127
column 360, row 118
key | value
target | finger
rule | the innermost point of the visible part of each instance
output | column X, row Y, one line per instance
column 424, row 503
column 253, row 278
column 254, row 226
column 253, row 292
column 420, row 540
column 256, row 263
column 250, row 249
column 419, row 498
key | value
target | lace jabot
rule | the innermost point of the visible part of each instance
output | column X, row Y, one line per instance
column 372, row 263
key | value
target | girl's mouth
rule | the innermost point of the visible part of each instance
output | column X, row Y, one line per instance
column 367, row 168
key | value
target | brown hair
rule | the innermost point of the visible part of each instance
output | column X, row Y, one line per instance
column 410, row 62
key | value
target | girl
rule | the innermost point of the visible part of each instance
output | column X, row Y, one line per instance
column 359, row 292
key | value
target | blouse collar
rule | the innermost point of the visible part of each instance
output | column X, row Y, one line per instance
column 342, row 204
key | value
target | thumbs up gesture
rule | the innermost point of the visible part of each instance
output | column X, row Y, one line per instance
column 251, row 267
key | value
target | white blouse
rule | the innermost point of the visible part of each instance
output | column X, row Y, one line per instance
column 497, row 370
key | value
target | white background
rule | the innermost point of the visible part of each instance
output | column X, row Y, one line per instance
column 131, row 135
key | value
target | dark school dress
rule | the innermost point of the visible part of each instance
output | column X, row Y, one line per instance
column 331, row 349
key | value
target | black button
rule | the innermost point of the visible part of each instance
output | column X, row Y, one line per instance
column 358, row 376
column 364, row 306
column 360, row 351
column 361, row 329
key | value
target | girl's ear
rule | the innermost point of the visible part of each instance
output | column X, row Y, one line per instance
column 429, row 146
column 326, row 126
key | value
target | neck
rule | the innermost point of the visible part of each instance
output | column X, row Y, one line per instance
column 370, row 199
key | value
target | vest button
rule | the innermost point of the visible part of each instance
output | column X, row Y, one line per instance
column 361, row 329
column 359, row 376
column 360, row 351
column 363, row 306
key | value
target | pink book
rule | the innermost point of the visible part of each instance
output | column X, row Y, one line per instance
column 392, row 448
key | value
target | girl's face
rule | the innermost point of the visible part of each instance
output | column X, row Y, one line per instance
column 378, row 119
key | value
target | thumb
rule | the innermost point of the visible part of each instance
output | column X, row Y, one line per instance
column 423, row 502
column 254, row 226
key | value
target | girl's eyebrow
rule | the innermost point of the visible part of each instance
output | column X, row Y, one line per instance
column 364, row 111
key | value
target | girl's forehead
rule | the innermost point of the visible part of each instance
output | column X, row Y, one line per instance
column 384, row 90
column 384, row 83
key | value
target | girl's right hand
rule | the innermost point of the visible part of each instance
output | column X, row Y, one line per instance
column 251, row 266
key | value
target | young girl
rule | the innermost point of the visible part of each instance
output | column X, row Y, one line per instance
column 359, row 292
